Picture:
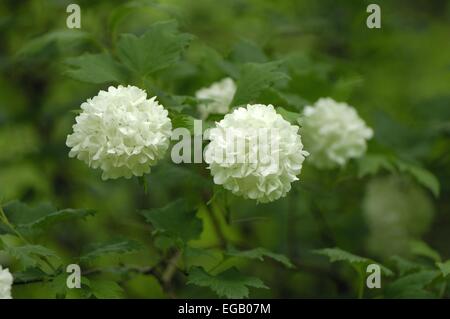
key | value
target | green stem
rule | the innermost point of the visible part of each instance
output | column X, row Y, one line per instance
column 220, row 263
column 5, row 221
column 143, row 182
column 360, row 283
column 216, row 223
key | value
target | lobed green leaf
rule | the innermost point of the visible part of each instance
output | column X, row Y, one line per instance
column 230, row 283
column 255, row 78
column 115, row 246
column 158, row 48
column 260, row 253
column 176, row 219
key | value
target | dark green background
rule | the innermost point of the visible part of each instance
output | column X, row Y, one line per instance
column 398, row 78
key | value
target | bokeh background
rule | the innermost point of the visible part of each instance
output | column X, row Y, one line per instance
column 397, row 77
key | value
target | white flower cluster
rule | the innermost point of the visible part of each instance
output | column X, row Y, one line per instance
column 220, row 94
column 333, row 133
column 121, row 132
column 396, row 211
column 124, row 134
column 6, row 281
column 261, row 159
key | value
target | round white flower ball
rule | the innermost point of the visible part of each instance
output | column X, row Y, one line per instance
column 220, row 94
column 333, row 133
column 121, row 132
column 6, row 281
column 255, row 153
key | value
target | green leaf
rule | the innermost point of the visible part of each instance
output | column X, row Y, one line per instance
column 121, row 12
column 106, row 289
column 230, row 283
column 175, row 219
column 213, row 59
column 423, row 176
column 95, row 68
column 61, row 215
column 371, row 164
column 158, row 48
column 59, row 285
column 176, row 102
column 444, row 267
column 344, row 86
column 291, row 117
column 260, row 253
column 41, row 215
column 420, row 248
column 60, row 289
column 29, row 274
column 292, row 100
column 412, row 286
column 254, row 79
column 29, row 255
column 115, row 246
column 22, row 215
column 199, row 253
column 182, row 120
column 205, row 258
column 164, row 242
column 337, row 254
column 61, row 39
column 247, row 51
column 405, row 266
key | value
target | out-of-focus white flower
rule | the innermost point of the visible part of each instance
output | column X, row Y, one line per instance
column 220, row 94
column 333, row 133
column 396, row 211
column 121, row 132
column 6, row 281
column 255, row 153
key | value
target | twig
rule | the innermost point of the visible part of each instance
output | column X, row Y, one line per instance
column 216, row 224
column 169, row 272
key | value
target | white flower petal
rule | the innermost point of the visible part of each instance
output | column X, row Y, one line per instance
column 6, row 281
column 333, row 133
column 220, row 95
column 121, row 131
column 264, row 178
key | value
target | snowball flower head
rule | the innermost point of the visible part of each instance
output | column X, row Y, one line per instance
column 255, row 153
column 396, row 210
column 121, row 132
column 6, row 281
column 220, row 94
column 333, row 133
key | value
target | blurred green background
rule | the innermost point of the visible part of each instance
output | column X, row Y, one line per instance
column 397, row 77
